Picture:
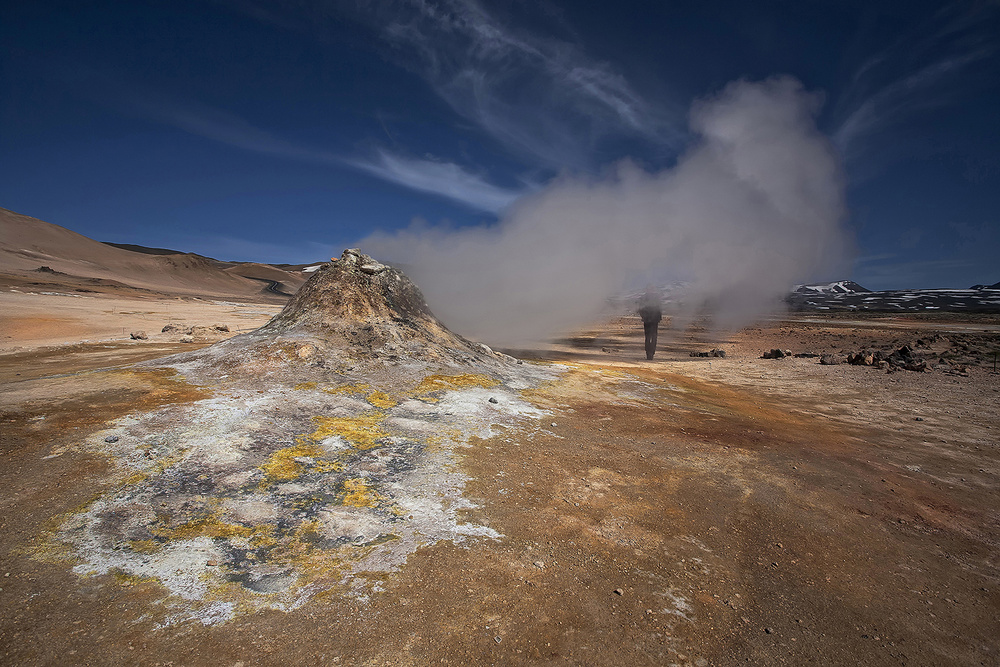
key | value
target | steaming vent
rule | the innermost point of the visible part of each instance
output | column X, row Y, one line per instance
column 353, row 314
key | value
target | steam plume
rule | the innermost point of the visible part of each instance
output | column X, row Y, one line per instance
column 755, row 205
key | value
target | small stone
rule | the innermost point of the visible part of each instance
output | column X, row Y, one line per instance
column 187, row 338
column 553, row 424
column 619, row 591
column 918, row 419
column 769, row 631
column 539, row 564
column 497, row 639
column 111, row 438
column 138, row 335
column 493, row 400
column 212, row 563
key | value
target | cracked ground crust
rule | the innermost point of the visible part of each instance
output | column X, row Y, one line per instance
column 663, row 519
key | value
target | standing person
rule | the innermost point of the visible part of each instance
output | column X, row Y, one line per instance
column 649, row 311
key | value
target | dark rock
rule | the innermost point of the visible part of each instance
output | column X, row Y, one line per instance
column 806, row 355
column 829, row 360
column 138, row 335
column 773, row 354
column 111, row 438
column 170, row 328
column 493, row 400
column 221, row 327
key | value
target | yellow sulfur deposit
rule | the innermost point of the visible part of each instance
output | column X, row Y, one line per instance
column 282, row 466
column 211, row 526
column 349, row 389
column 362, row 431
column 464, row 381
column 357, row 493
column 381, row 399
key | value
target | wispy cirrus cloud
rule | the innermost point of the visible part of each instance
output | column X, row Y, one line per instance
column 445, row 179
column 542, row 97
column 438, row 177
column 915, row 74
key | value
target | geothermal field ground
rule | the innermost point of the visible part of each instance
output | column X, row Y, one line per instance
column 354, row 484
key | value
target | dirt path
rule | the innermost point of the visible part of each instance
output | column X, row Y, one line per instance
column 684, row 511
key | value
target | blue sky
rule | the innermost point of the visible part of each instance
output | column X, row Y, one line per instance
column 285, row 131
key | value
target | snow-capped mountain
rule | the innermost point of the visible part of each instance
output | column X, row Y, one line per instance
column 839, row 287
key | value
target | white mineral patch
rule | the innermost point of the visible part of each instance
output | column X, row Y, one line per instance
column 255, row 509
column 678, row 604
column 353, row 523
column 204, row 494
column 334, row 443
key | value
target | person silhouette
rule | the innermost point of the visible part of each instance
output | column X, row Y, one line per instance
column 649, row 311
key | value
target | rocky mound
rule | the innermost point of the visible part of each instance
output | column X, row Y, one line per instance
column 353, row 314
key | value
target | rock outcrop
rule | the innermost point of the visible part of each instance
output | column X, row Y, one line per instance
column 353, row 314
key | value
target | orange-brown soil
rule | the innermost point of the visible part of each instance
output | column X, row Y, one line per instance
column 698, row 511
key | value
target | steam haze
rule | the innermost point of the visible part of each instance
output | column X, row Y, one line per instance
column 755, row 205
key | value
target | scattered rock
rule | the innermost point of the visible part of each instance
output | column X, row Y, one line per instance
column 773, row 354
column 901, row 359
column 493, row 400
column 539, row 564
column 829, row 360
column 806, row 355
column 710, row 353
column 170, row 328
column 371, row 268
column 187, row 338
column 138, row 335
column 224, row 328
column 111, row 438
column 769, row 631
column 619, row 591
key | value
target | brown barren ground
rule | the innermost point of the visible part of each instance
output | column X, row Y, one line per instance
column 680, row 511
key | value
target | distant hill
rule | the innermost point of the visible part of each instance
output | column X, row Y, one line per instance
column 839, row 287
column 74, row 263
column 142, row 248
column 847, row 295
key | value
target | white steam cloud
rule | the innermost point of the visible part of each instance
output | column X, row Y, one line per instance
column 754, row 206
